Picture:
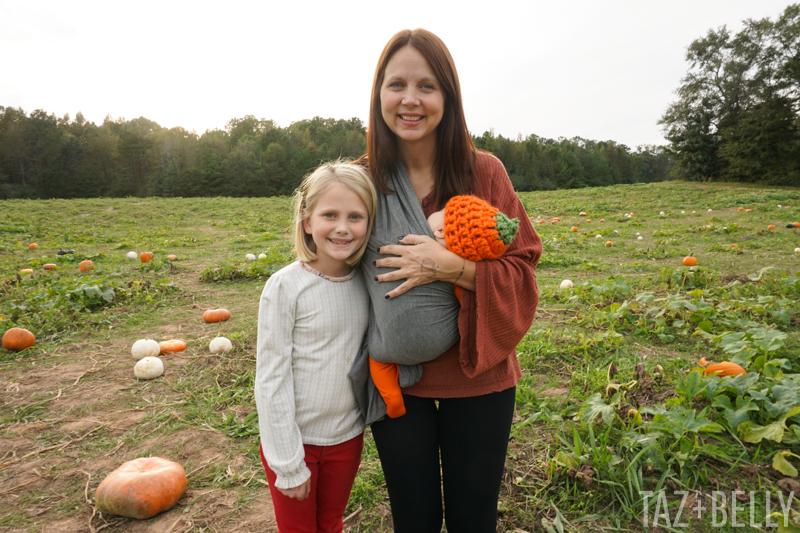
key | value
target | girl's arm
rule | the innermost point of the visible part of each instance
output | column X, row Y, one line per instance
column 281, row 441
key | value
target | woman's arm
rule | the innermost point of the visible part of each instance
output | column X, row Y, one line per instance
column 498, row 314
column 420, row 260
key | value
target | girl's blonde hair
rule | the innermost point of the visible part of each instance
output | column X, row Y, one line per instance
column 349, row 175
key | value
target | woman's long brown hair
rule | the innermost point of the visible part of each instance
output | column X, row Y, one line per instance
column 454, row 163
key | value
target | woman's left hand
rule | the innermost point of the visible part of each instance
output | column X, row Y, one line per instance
column 419, row 260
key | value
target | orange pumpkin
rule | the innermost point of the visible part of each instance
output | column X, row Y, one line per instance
column 17, row 339
column 86, row 266
column 574, row 228
column 33, row 246
column 609, row 243
column 141, row 488
column 740, row 209
column 174, row 345
column 770, row 227
column 725, row 368
column 146, row 257
column 50, row 266
column 796, row 224
column 690, row 261
column 216, row 315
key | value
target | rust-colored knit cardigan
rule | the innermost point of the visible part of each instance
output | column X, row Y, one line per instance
column 495, row 317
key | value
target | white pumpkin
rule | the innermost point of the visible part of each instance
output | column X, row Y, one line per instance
column 797, row 250
column 639, row 238
column 262, row 256
column 566, row 284
column 220, row 345
column 250, row 257
column 598, row 236
column 661, row 213
column 145, row 348
column 132, row 255
column 148, row 368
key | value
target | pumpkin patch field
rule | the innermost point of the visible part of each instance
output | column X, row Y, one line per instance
column 646, row 372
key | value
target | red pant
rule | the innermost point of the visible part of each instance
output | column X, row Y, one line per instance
column 333, row 471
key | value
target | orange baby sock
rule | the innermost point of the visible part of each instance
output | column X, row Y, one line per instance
column 385, row 376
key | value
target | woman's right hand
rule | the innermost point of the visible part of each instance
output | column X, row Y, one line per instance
column 299, row 493
column 419, row 260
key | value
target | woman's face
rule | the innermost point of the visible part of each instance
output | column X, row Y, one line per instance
column 412, row 101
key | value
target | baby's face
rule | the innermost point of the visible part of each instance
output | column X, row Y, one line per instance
column 436, row 222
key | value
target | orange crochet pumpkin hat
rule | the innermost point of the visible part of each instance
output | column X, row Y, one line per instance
column 475, row 230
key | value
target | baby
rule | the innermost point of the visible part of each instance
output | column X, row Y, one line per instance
column 436, row 222
column 473, row 229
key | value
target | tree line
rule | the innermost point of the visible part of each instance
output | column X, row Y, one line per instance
column 43, row 156
column 737, row 113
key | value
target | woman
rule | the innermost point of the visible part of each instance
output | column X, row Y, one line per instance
column 420, row 154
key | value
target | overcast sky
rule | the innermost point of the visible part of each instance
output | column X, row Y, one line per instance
column 600, row 69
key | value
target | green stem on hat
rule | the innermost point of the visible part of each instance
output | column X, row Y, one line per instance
column 506, row 227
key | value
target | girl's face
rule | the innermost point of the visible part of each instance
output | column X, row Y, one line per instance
column 412, row 101
column 338, row 226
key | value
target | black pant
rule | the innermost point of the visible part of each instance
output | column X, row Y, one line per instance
column 472, row 434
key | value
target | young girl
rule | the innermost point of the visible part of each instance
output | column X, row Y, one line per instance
column 312, row 320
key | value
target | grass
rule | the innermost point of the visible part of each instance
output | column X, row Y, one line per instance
column 72, row 410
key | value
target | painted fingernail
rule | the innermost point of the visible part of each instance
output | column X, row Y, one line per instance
column 401, row 237
column 379, row 250
column 374, row 263
column 375, row 278
column 387, row 296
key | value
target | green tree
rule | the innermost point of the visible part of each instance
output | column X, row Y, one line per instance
column 740, row 94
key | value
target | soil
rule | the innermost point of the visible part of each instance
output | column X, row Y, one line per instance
column 81, row 394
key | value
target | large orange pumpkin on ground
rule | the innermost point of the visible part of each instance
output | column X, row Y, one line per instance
column 216, row 315
column 690, row 261
column 18, row 339
column 725, row 368
column 146, row 257
column 174, row 345
column 86, row 266
column 141, row 488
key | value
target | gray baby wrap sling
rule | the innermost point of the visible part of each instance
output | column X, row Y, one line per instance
column 410, row 329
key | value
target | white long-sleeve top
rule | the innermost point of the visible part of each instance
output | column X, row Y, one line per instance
column 310, row 328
